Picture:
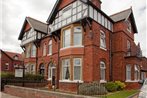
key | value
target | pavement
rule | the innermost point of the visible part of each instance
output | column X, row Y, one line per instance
column 4, row 95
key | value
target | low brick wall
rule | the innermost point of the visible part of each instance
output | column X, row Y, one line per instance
column 35, row 93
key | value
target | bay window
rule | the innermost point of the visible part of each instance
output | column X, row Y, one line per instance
column 77, row 36
column 72, row 36
column 136, row 72
column 128, row 73
column 66, row 69
column 77, row 68
column 102, row 71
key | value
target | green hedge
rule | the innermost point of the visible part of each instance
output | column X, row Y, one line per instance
column 115, row 86
column 7, row 75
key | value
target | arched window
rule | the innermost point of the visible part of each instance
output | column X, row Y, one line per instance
column 33, row 51
column 136, row 72
column 128, row 73
column 42, row 69
column 102, row 71
column 102, row 40
column 50, row 47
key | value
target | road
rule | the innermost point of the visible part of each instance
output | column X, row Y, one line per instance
column 4, row 95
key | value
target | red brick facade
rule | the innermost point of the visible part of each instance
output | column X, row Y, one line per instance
column 114, row 55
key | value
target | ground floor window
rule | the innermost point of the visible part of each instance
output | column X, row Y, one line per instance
column 72, row 69
column 136, row 72
column 128, row 72
column 102, row 71
column 77, row 63
column 42, row 69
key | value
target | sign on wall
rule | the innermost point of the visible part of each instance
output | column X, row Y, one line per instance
column 18, row 72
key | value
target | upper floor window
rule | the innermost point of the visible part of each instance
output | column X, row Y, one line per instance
column 66, row 69
column 67, row 12
column 102, row 71
column 77, row 63
column 77, row 36
column 128, row 72
column 6, row 66
column 128, row 48
column 44, row 49
column 33, row 51
column 28, row 52
column 102, row 40
column 50, row 47
column 15, row 57
column 66, row 38
column 129, row 27
column 72, row 37
column 136, row 72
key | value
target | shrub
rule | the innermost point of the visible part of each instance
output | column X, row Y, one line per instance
column 94, row 88
column 121, row 85
column 111, row 86
column 34, row 77
column 7, row 75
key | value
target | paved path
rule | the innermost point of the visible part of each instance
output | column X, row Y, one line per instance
column 4, row 95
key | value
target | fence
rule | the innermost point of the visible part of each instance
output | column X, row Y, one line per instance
column 94, row 88
column 23, row 83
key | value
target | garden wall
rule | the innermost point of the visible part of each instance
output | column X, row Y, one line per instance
column 35, row 93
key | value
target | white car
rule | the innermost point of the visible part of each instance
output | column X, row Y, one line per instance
column 143, row 90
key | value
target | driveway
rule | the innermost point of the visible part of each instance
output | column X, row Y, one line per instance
column 4, row 95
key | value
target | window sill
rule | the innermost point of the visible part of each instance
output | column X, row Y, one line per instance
column 72, row 47
column 70, row 81
column 132, row 81
column 49, row 79
column 49, row 54
column 103, row 81
column 103, row 48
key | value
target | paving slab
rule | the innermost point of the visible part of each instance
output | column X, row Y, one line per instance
column 4, row 95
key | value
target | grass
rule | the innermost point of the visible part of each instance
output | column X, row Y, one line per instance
column 122, row 94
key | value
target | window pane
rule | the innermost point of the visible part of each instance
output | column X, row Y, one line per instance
column 77, row 36
column 66, row 12
column 102, row 39
column 77, row 68
column 66, row 38
column 102, row 70
column 66, row 69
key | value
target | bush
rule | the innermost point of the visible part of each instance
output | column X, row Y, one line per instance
column 94, row 88
column 121, row 85
column 7, row 75
column 111, row 86
column 34, row 77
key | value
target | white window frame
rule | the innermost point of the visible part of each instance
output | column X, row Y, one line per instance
column 64, row 37
column 6, row 66
column 128, row 72
column 102, row 40
column 28, row 52
column 50, row 71
column 66, row 11
column 80, row 65
column 128, row 48
column 76, row 32
column 65, row 66
column 33, row 51
column 136, row 73
column 50, row 47
column 102, row 68
column 44, row 49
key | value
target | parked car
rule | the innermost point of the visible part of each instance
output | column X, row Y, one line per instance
column 143, row 90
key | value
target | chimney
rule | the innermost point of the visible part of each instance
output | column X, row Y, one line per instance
column 96, row 3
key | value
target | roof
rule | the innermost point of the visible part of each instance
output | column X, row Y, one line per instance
column 124, row 15
column 35, row 24
column 13, row 54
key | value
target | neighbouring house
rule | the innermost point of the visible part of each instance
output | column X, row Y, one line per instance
column 80, row 43
column 10, row 60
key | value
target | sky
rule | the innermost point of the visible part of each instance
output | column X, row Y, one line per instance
column 13, row 13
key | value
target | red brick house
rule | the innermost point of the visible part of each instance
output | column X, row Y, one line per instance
column 80, row 43
column 10, row 60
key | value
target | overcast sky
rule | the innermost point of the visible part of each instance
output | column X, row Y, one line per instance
column 13, row 13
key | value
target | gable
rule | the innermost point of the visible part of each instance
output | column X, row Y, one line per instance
column 27, row 27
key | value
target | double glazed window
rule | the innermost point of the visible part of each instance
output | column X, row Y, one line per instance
column 33, row 51
column 136, row 72
column 76, row 65
column 66, row 69
column 77, row 68
column 72, row 37
column 102, row 40
column 128, row 72
column 102, row 71
column 44, row 49
column 50, row 47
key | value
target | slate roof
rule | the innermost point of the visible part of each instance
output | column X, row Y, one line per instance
column 35, row 24
column 121, row 15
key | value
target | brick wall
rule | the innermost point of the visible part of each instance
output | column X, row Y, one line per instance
column 35, row 93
